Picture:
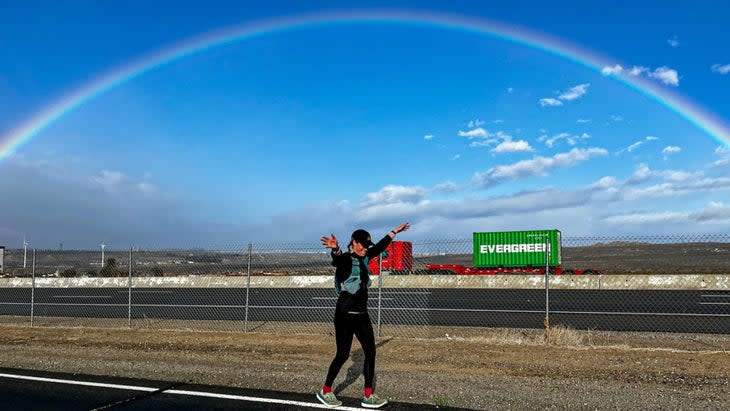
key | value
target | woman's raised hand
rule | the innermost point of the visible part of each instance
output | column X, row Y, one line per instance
column 402, row 227
column 329, row 242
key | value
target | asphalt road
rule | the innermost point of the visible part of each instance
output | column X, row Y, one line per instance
column 38, row 390
column 618, row 310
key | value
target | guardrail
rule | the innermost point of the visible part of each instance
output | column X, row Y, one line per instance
column 597, row 282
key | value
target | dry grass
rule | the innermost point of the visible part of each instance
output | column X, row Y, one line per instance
column 478, row 368
column 561, row 335
column 557, row 335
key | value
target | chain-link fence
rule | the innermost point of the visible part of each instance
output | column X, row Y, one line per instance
column 424, row 288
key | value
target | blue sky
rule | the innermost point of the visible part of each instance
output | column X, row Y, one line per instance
column 292, row 134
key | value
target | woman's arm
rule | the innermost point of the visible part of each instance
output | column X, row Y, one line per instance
column 332, row 243
column 381, row 245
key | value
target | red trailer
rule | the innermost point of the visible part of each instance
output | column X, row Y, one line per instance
column 399, row 259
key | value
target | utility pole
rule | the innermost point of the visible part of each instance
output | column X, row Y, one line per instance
column 102, row 254
column 25, row 252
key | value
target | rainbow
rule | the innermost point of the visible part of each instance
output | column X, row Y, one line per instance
column 696, row 115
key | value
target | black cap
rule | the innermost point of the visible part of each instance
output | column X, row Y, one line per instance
column 362, row 237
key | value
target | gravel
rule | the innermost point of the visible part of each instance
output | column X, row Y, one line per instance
column 497, row 370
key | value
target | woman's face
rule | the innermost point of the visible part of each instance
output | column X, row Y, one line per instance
column 358, row 248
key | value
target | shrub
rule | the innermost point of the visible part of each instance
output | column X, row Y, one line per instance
column 69, row 273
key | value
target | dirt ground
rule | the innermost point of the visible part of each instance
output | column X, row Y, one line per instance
column 493, row 369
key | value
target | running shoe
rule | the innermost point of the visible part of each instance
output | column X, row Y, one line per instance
column 373, row 401
column 328, row 399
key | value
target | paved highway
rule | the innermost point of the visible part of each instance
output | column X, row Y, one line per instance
column 37, row 390
column 619, row 310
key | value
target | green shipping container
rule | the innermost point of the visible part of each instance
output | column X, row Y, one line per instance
column 517, row 248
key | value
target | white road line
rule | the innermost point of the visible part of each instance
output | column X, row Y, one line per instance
column 138, row 305
column 642, row 314
column 335, row 298
column 175, row 392
column 74, row 382
column 145, row 292
column 257, row 399
column 714, row 303
column 716, row 295
column 560, row 312
column 82, row 296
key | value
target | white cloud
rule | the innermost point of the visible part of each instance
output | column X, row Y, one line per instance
column 724, row 153
column 500, row 138
column 666, row 75
column 640, row 175
column 475, row 123
column 644, row 218
column 583, row 120
column 428, row 137
column 510, row 90
column 537, row 166
column 616, row 69
column 636, row 70
column 474, row 133
column 673, row 41
column 679, row 188
column 616, row 118
column 721, row 69
column 643, row 174
column 456, row 157
column 716, row 211
column 447, row 188
column 579, row 210
column 394, row 194
column 634, row 146
column 575, row 92
column 639, row 143
column 111, row 206
column 509, row 146
column 483, row 143
column 571, row 94
column 671, row 150
column 721, row 162
column 550, row 141
column 117, row 183
column 550, row 102
column 678, row 176
column 604, row 183
column 111, row 179
column 503, row 141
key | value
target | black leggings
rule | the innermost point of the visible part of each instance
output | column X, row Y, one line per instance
column 347, row 325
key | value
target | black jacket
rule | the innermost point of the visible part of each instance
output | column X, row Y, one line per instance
column 357, row 301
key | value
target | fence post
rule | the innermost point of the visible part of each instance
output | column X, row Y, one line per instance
column 129, row 288
column 248, row 287
column 380, row 288
column 32, row 290
column 546, row 322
